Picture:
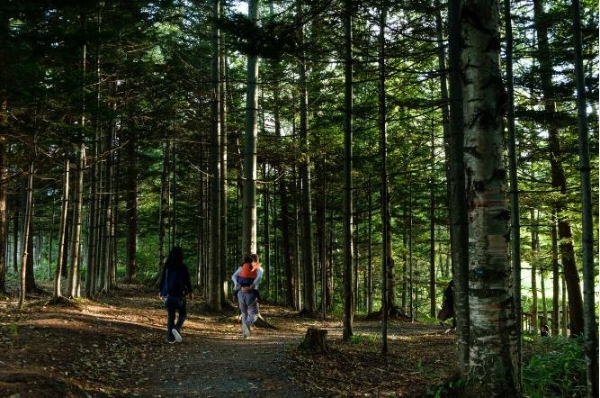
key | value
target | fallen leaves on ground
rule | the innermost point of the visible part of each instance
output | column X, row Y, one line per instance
column 115, row 347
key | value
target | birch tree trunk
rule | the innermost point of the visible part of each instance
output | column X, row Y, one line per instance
column 493, row 337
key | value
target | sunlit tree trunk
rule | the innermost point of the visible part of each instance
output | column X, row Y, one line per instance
column 74, row 282
column 535, row 248
column 249, row 199
column 543, row 292
column 493, row 336
column 26, row 236
column 62, row 232
column 74, row 286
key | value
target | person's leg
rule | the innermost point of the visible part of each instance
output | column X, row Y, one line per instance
column 170, row 318
column 243, row 305
column 182, row 312
column 252, row 314
column 245, row 299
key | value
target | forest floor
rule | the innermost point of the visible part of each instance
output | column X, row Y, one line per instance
column 115, row 347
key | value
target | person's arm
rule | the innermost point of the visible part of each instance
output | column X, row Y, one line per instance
column 188, row 282
column 162, row 293
column 234, row 278
column 259, row 274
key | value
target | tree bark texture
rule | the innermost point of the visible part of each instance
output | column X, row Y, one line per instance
column 492, row 329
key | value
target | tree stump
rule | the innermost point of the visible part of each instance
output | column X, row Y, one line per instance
column 315, row 340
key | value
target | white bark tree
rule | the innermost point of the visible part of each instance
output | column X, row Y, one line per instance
column 492, row 330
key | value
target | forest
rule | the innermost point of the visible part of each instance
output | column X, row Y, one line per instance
column 369, row 152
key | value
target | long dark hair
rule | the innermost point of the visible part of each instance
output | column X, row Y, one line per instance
column 175, row 259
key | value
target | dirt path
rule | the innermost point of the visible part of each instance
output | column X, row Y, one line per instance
column 227, row 366
column 116, row 347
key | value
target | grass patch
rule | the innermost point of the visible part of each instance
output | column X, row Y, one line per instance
column 554, row 367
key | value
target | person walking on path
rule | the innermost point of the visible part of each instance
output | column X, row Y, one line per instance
column 246, row 280
column 175, row 285
column 447, row 310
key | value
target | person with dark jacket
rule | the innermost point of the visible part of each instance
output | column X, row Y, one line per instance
column 447, row 310
column 175, row 286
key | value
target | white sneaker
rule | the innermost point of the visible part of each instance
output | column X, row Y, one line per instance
column 245, row 330
column 177, row 335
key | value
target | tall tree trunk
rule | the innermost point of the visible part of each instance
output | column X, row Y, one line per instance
column 26, row 236
column 589, row 274
column 4, row 126
column 214, row 285
column 535, row 248
column 369, row 271
column 386, row 235
column 131, row 204
column 223, row 152
column 348, row 184
column 565, row 236
column 458, row 213
column 492, row 368
column 163, row 218
column 290, row 278
column 62, row 232
column 310, row 304
column 249, row 183
column 515, row 233
column 432, row 273
column 543, row 291
column 555, row 284
column 74, row 284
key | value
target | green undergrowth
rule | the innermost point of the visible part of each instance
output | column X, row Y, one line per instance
column 553, row 367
